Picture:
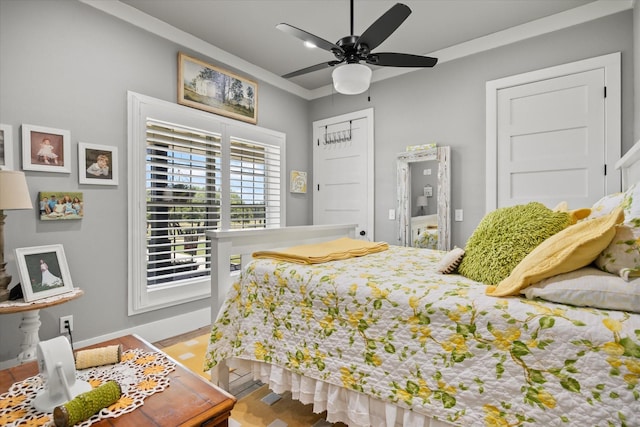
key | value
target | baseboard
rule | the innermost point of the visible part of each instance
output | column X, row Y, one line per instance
column 152, row 332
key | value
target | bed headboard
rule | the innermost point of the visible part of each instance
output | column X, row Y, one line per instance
column 629, row 166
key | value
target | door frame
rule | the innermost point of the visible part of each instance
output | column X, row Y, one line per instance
column 613, row 118
column 362, row 114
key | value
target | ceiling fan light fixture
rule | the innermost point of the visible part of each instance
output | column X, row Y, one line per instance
column 351, row 79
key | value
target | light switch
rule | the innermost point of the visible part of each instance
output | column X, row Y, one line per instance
column 459, row 215
column 392, row 214
column 426, row 172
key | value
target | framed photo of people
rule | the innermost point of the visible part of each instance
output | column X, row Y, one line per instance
column 60, row 205
column 6, row 147
column 97, row 164
column 46, row 149
column 43, row 271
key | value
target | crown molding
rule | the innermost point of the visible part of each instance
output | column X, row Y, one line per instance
column 579, row 15
column 162, row 29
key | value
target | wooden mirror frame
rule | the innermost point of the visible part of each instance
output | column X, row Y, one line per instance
column 404, row 161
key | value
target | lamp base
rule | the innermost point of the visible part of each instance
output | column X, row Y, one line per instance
column 5, row 280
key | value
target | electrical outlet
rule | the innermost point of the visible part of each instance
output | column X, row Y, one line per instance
column 63, row 324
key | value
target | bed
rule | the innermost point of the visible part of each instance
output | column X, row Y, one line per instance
column 424, row 231
column 386, row 340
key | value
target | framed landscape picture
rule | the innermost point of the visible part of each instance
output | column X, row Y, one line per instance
column 46, row 149
column 43, row 271
column 209, row 88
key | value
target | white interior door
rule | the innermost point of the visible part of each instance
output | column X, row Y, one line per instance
column 343, row 171
column 554, row 134
column 551, row 141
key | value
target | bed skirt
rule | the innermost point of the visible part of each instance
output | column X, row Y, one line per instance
column 350, row 407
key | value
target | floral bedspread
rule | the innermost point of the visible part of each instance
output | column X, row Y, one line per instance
column 389, row 326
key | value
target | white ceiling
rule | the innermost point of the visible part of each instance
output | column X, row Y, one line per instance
column 246, row 28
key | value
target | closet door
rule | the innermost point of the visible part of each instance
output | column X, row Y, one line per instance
column 343, row 172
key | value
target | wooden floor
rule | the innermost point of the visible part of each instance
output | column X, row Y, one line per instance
column 240, row 383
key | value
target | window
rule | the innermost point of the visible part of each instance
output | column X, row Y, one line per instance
column 191, row 172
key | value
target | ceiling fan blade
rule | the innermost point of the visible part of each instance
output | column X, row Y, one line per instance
column 391, row 59
column 316, row 67
column 384, row 26
column 310, row 38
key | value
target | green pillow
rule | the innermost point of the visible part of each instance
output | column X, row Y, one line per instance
column 505, row 236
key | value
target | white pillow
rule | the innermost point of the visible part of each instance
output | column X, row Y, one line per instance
column 450, row 261
column 622, row 256
column 589, row 287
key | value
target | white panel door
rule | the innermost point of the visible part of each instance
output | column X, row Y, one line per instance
column 551, row 141
column 343, row 171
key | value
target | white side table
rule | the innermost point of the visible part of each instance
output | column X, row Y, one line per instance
column 30, row 324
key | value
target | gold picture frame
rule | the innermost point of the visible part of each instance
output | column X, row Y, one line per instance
column 209, row 88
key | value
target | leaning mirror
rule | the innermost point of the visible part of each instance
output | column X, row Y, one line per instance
column 424, row 207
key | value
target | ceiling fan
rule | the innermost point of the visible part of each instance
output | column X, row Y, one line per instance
column 352, row 77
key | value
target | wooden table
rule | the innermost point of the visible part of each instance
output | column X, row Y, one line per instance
column 30, row 324
column 190, row 400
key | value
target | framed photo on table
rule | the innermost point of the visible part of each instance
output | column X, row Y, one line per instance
column 46, row 149
column 43, row 271
column 97, row 164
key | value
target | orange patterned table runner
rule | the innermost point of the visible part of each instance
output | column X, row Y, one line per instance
column 140, row 374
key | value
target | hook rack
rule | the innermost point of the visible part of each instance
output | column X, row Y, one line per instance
column 337, row 136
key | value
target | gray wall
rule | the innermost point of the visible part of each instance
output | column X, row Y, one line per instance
column 67, row 65
column 446, row 104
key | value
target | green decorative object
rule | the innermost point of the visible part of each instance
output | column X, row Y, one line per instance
column 85, row 405
column 505, row 236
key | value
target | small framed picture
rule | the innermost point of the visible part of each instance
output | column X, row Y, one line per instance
column 60, row 205
column 298, row 182
column 97, row 164
column 43, row 271
column 46, row 149
column 6, row 147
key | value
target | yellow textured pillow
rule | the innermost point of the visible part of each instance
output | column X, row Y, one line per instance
column 572, row 248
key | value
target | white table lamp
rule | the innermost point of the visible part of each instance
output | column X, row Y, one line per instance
column 14, row 194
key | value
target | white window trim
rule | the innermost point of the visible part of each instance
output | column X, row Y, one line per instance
column 140, row 298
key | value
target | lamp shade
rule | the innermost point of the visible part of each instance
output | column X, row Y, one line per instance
column 14, row 193
column 421, row 201
column 351, row 79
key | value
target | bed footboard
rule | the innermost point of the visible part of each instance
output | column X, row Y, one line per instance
column 231, row 243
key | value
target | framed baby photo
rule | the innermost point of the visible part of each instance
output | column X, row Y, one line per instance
column 46, row 149
column 6, row 147
column 97, row 164
column 43, row 271
column 60, row 205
